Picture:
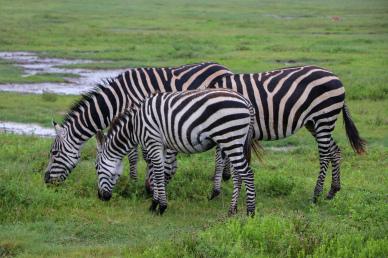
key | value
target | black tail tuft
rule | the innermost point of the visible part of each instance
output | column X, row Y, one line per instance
column 248, row 146
column 249, row 142
column 257, row 149
column 358, row 144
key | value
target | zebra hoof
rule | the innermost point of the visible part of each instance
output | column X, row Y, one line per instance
column 214, row 194
column 251, row 213
column 332, row 193
column 232, row 211
column 314, row 200
column 153, row 206
column 162, row 208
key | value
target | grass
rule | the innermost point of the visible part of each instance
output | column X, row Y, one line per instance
column 245, row 36
column 350, row 38
column 34, row 108
column 69, row 220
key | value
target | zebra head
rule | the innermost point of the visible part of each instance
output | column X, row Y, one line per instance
column 63, row 156
column 108, row 169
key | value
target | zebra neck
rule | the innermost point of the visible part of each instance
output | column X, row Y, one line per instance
column 92, row 113
column 74, row 139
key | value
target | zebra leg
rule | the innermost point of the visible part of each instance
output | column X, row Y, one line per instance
column 242, row 169
column 248, row 178
column 236, row 192
column 226, row 173
column 148, row 183
column 217, row 174
column 335, row 163
column 132, row 158
column 151, row 187
column 322, row 134
column 157, row 156
column 170, row 165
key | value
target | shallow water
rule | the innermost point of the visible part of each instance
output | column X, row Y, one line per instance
column 33, row 64
column 26, row 129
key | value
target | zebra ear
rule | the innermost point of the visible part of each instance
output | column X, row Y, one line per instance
column 58, row 128
column 100, row 137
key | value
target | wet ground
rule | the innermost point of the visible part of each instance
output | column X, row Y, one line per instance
column 26, row 129
column 32, row 64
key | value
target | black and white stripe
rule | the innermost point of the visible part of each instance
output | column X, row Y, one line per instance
column 288, row 99
column 188, row 122
column 96, row 110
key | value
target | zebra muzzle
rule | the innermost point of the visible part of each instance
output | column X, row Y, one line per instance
column 53, row 180
column 104, row 195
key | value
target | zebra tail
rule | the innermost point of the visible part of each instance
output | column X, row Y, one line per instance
column 257, row 149
column 250, row 143
column 358, row 144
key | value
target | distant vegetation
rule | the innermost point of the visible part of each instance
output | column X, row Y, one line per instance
column 349, row 38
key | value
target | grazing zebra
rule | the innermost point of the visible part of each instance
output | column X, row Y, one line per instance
column 286, row 100
column 97, row 108
column 189, row 122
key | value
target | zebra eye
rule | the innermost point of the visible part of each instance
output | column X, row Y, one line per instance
column 55, row 153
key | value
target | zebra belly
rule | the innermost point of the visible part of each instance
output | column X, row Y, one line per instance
column 201, row 145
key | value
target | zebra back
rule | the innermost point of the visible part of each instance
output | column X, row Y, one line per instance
column 285, row 99
column 96, row 109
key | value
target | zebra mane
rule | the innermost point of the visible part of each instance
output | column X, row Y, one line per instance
column 88, row 96
column 118, row 119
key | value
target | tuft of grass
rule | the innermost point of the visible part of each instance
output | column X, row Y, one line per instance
column 49, row 97
column 10, row 248
column 274, row 185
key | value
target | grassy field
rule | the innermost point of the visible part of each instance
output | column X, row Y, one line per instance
column 349, row 37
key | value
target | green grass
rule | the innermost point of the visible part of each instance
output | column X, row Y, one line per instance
column 34, row 108
column 246, row 36
column 69, row 220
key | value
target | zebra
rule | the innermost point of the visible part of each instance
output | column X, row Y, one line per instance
column 188, row 122
column 96, row 109
column 287, row 99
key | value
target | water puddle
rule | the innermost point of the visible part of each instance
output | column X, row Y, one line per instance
column 26, row 129
column 32, row 64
